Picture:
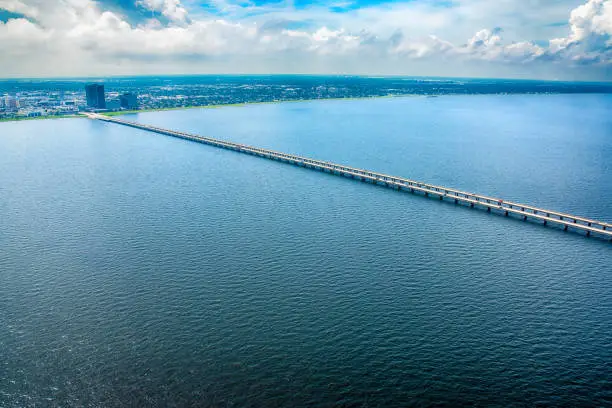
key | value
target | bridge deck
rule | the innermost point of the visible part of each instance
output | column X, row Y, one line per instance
column 567, row 221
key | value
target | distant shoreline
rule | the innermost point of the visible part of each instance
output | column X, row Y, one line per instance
column 226, row 105
column 243, row 104
column 216, row 106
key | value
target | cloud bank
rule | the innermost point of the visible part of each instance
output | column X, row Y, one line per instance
column 89, row 37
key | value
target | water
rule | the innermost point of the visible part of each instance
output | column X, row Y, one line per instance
column 142, row 270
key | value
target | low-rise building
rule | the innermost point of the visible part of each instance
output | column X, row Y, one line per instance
column 11, row 103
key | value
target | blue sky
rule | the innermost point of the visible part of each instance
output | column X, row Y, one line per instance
column 549, row 39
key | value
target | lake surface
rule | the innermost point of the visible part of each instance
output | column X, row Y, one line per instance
column 143, row 270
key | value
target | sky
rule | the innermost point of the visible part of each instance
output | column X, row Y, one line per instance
column 537, row 39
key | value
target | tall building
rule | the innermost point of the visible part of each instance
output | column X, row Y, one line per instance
column 113, row 104
column 129, row 101
column 95, row 96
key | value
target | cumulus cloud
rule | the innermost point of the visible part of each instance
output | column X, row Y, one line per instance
column 18, row 6
column 485, row 38
column 22, row 34
column 81, row 37
column 172, row 9
column 590, row 38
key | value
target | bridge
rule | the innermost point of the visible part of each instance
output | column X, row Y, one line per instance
column 490, row 204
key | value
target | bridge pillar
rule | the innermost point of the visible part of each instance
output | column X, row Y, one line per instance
column 488, row 209
column 456, row 201
column 524, row 218
column 545, row 222
column 565, row 228
column 588, row 233
column 441, row 198
column 506, row 213
column 472, row 205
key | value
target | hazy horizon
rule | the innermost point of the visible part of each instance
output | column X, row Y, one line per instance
column 370, row 76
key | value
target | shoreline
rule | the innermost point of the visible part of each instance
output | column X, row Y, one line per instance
column 216, row 106
column 242, row 104
column 48, row 117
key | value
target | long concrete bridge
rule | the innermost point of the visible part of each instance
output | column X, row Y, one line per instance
column 565, row 221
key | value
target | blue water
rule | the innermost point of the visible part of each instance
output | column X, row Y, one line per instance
column 142, row 270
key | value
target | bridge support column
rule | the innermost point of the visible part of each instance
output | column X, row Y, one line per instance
column 506, row 213
column 524, row 218
column 488, row 209
column 472, row 205
column 441, row 198
column 456, row 201
column 545, row 222
column 588, row 233
column 565, row 228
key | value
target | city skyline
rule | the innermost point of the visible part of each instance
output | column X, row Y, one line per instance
column 563, row 40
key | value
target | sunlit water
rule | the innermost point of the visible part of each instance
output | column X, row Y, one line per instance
column 143, row 270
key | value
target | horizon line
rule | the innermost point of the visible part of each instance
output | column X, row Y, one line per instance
column 368, row 76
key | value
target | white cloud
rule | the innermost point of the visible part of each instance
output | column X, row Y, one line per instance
column 81, row 37
column 172, row 9
column 18, row 6
column 484, row 39
column 22, row 34
column 590, row 38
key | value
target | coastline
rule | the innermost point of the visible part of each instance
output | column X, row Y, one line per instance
column 227, row 105
column 216, row 106
column 21, row 119
column 241, row 104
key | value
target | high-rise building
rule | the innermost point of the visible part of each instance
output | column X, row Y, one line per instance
column 95, row 96
column 113, row 104
column 129, row 101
